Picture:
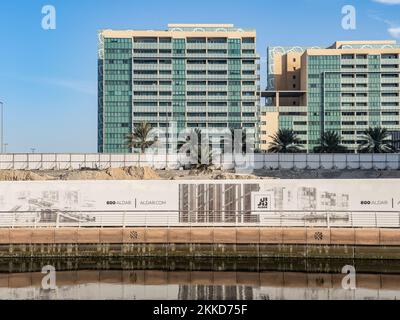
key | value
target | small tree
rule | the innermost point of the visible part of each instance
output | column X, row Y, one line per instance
column 140, row 137
column 330, row 143
column 376, row 140
column 285, row 141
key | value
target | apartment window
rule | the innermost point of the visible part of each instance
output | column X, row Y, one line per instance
column 390, row 75
column 196, row 51
column 217, row 83
column 165, row 40
column 362, row 75
column 217, row 72
column 151, row 51
column 165, row 61
column 248, row 104
column 217, row 93
column 390, row 123
column 165, row 51
column 196, row 83
column 248, row 51
column 390, row 56
column 145, row 83
column 347, row 75
column 196, row 72
column 248, row 83
column 390, row 85
column 248, row 62
column 294, row 77
column 137, row 61
column 217, row 61
column 217, row 51
column 217, row 40
column 196, row 62
column 145, row 40
column 147, row 72
column 248, row 40
column 361, row 56
column 196, row 40
column 390, row 66
column 248, row 93
column 390, row 94
column 165, row 83
column 347, row 56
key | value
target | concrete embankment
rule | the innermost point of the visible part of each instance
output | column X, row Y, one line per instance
column 202, row 242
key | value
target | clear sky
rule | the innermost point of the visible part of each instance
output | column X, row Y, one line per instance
column 48, row 78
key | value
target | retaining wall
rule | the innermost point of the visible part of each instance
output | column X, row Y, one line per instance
column 202, row 242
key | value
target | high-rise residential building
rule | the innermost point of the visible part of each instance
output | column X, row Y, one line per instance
column 194, row 75
column 345, row 88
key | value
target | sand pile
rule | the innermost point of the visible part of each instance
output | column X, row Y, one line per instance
column 128, row 173
column 21, row 175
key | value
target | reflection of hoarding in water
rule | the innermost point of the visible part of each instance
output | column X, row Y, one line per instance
column 230, row 202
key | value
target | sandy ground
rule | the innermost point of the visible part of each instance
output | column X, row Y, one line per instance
column 146, row 173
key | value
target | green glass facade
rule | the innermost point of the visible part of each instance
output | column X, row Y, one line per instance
column 210, row 80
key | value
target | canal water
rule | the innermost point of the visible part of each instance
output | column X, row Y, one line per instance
column 197, row 279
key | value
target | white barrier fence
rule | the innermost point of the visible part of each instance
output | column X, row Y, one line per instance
column 174, row 161
column 124, row 219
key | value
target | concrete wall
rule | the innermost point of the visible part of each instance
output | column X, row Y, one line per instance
column 249, row 162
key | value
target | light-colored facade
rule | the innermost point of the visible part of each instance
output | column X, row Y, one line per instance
column 345, row 88
column 197, row 76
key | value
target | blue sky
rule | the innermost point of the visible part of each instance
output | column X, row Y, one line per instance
column 48, row 78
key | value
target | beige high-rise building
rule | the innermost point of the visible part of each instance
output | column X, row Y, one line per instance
column 346, row 88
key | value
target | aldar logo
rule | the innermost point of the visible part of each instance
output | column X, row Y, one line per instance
column 262, row 202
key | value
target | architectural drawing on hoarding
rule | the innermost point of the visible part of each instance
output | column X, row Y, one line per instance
column 201, row 203
column 217, row 203
column 51, row 206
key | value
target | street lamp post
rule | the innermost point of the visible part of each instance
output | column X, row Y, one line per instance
column 2, row 126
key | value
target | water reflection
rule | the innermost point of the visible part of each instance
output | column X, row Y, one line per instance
column 198, row 280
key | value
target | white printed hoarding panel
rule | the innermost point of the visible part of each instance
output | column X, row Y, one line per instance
column 181, row 203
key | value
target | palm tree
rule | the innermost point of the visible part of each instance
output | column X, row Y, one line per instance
column 285, row 141
column 199, row 151
column 330, row 143
column 140, row 137
column 376, row 140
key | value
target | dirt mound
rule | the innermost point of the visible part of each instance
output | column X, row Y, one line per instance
column 128, row 173
column 22, row 175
